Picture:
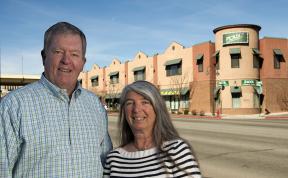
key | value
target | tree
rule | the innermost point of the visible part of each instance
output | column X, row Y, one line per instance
column 113, row 94
column 179, row 83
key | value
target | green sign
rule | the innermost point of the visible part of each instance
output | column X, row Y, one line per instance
column 223, row 83
column 235, row 38
column 248, row 82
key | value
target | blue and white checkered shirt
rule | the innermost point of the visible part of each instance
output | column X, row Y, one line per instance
column 43, row 133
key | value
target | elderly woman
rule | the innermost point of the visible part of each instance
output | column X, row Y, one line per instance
column 149, row 144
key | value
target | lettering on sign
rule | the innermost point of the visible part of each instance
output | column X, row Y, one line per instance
column 235, row 38
column 248, row 82
column 223, row 83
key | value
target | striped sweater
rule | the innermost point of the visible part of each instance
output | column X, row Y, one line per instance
column 149, row 163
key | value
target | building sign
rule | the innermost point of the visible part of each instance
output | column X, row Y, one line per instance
column 223, row 83
column 235, row 38
column 248, row 82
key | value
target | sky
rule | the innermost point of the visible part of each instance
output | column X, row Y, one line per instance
column 121, row 28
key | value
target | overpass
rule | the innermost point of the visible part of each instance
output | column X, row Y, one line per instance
column 9, row 82
column 17, row 80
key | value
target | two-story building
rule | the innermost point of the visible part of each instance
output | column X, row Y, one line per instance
column 237, row 74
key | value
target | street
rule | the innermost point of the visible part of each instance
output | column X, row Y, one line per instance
column 234, row 148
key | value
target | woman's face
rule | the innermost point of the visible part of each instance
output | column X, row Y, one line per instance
column 140, row 113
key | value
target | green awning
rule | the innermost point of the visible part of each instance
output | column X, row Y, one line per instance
column 172, row 62
column 278, row 52
column 256, row 51
column 199, row 57
column 113, row 73
column 113, row 95
column 138, row 68
column 234, row 51
column 94, row 77
column 216, row 53
column 235, row 89
column 173, row 91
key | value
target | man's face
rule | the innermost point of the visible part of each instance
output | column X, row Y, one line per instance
column 64, row 61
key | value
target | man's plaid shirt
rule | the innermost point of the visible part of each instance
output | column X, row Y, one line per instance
column 43, row 133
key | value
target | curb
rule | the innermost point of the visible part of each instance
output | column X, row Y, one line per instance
column 276, row 117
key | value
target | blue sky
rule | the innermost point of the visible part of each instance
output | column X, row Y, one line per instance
column 121, row 28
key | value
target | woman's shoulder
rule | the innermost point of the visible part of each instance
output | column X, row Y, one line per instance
column 120, row 152
column 176, row 145
column 174, row 142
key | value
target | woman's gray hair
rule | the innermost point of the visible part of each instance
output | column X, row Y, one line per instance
column 163, row 129
column 63, row 28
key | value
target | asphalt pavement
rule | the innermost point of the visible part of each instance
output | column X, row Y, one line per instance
column 233, row 147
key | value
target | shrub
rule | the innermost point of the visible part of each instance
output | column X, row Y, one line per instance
column 202, row 113
column 186, row 111
column 194, row 112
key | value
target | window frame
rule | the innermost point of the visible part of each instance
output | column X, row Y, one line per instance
column 277, row 61
column 95, row 82
column 140, row 75
column 173, row 69
column 200, row 64
column 114, row 79
column 217, row 62
column 235, row 60
column 256, row 62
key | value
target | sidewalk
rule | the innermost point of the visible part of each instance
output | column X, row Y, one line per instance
column 283, row 115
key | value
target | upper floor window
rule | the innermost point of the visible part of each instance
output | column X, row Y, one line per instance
column 173, row 67
column 235, row 57
column 278, row 57
column 199, row 62
column 276, row 62
column 257, row 60
column 139, row 73
column 114, row 77
column 216, row 55
column 95, row 81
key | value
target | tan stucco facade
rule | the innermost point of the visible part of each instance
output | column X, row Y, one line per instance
column 245, row 71
column 175, row 51
column 141, row 60
column 189, row 77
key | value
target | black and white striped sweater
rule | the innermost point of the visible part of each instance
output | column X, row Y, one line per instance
column 149, row 163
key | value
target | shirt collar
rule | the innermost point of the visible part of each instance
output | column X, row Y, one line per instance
column 58, row 92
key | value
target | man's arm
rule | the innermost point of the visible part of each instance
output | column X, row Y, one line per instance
column 106, row 144
column 9, row 139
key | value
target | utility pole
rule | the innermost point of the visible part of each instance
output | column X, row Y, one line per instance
column 22, row 65
column 22, row 70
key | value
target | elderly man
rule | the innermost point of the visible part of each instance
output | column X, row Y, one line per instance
column 54, row 127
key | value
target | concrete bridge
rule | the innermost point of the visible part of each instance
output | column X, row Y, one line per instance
column 9, row 82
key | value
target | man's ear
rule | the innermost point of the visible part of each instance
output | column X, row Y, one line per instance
column 43, row 56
